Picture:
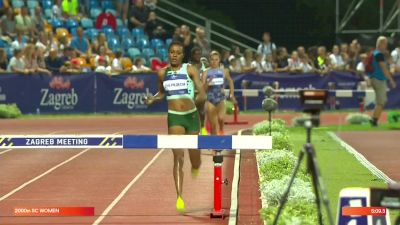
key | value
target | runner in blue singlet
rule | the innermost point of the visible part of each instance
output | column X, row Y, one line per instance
column 214, row 82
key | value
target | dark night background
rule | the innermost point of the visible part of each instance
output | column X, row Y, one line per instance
column 290, row 22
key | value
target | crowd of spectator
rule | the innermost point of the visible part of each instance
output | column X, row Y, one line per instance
column 31, row 44
column 270, row 58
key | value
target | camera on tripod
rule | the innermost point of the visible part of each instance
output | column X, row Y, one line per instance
column 313, row 102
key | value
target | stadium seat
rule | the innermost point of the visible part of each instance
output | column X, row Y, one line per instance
column 168, row 41
column 143, row 43
column 73, row 32
column 56, row 23
column 120, row 23
column 61, row 32
column 9, row 52
column 91, row 33
column 47, row 4
column 112, row 11
column 32, row 4
column 123, row 32
column 126, row 62
column 107, row 5
column 134, row 52
column 127, row 43
column 137, row 32
column 48, row 13
column 162, row 53
column 108, row 31
column 3, row 43
column 71, row 23
column 113, row 44
column 156, row 43
column 95, row 12
column 17, row 3
column 87, row 23
column 148, row 53
column 94, row 4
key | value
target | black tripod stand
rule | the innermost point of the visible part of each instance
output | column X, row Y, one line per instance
column 308, row 149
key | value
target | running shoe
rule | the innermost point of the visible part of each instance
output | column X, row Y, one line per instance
column 203, row 131
column 180, row 205
column 195, row 172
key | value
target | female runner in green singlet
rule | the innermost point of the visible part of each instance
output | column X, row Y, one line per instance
column 176, row 84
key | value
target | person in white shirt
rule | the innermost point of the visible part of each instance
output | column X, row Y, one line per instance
column 102, row 67
column 18, row 43
column 17, row 63
column 307, row 64
column 234, row 65
column 266, row 47
column 116, row 65
column 257, row 63
column 139, row 66
column 396, row 59
column 336, row 59
column 295, row 65
column 246, row 60
column 360, row 66
column 268, row 64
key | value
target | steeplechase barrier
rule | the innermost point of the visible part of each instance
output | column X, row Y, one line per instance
column 104, row 141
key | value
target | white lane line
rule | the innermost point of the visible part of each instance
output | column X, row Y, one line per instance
column 126, row 189
column 235, row 188
column 5, row 151
column 44, row 174
column 367, row 164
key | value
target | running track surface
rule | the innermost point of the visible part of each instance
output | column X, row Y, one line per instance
column 96, row 178
column 381, row 148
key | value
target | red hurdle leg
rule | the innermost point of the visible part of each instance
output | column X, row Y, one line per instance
column 217, row 211
column 235, row 117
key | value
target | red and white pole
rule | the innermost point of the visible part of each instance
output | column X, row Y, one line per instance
column 217, row 211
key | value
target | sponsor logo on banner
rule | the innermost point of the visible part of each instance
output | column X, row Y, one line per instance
column 60, row 95
column 132, row 95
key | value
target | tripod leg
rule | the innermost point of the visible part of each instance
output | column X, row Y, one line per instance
column 316, row 174
column 315, row 186
column 286, row 194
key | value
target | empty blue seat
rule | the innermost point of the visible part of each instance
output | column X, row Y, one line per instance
column 134, row 52
column 94, row 4
column 48, row 13
column 162, row 53
column 3, row 43
column 73, row 31
column 155, row 43
column 91, row 33
column 108, row 31
column 120, row 23
column 113, row 43
column 123, row 32
column 71, row 23
column 168, row 41
column 95, row 12
column 107, row 4
column 143, row 43
column 47, row 4
column 112, row 11
column 56, row 23
column 148, row 52
column 127, row 43
column 32, row 4
column 87, row 23
column 137, row 32
column 17, row 3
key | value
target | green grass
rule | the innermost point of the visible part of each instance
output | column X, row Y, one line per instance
column 339, row 169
